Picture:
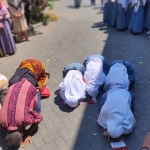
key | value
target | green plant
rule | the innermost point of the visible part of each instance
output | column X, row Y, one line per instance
column 50, row 4
column 46, row 19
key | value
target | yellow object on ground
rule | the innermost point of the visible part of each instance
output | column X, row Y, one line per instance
column 53, row 17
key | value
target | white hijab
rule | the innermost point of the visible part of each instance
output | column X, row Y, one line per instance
column 117, row 77
column 73, row 88
column 94, row 76
column 116, row 115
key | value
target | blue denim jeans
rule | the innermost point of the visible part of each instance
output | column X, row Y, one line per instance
column 73, row 66
column 38, row 106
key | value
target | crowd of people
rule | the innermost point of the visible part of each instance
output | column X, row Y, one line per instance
column 114, row 81
column 20, row 101
column 133, row 15
column 20, row 97
column 20, row 27
column 130, row 15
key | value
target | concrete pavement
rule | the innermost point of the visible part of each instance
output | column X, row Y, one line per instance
column 77, row 34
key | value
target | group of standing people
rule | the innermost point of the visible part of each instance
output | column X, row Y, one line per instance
column 20, row 27
column 133, row 15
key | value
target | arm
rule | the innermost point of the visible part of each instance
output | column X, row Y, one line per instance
column 33, row 119
column 22, row 9
column 42, row 81
column 7, row 13
column 28, row 134
column 12, row 11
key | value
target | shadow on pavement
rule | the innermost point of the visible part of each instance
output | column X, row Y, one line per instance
column 72, row 7
column 58, row 101
column 135, row 49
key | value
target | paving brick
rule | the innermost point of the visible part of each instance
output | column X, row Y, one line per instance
column 89, row 138
column 65, row 134
column 69, row 125
column 37, row 140
column 72, row 39
column 75, row 148
column 29, row 147
column 91, row 128
column 141, row 135
column 51, row 136
column 71, row 142
column 49, row 146
column 142, row 126
column 61, row 144
column 85, row 145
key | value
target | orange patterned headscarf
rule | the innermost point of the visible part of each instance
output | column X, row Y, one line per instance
column 37, row 68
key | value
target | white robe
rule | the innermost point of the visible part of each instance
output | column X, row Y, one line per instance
column 116, row 115
column 94, row 76
column 117, row 77
column 73, row 88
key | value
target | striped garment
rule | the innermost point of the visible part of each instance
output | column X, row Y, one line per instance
column 17, row 110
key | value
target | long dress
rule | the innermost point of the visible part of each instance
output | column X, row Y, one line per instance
column 77, row 3
column 121, row 18
column 19, row 24
column 116, row 115
column 147, row 18
column 107, row 12
column 137, row 20
column 7, row 44
column 114, row 13
column 129, row 12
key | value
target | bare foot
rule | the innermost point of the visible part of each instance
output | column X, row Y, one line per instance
column 80, row 102
column 6, row 55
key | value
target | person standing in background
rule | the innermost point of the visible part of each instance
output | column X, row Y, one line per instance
column 93, row 2
column 77, row 3
column 27, row 11
column 121, row 18
column 147, row 17
column 19, row 21
column 129, row 12
column 107, row 12
column 7, row 44
column 114, row 13
column 137, row 21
